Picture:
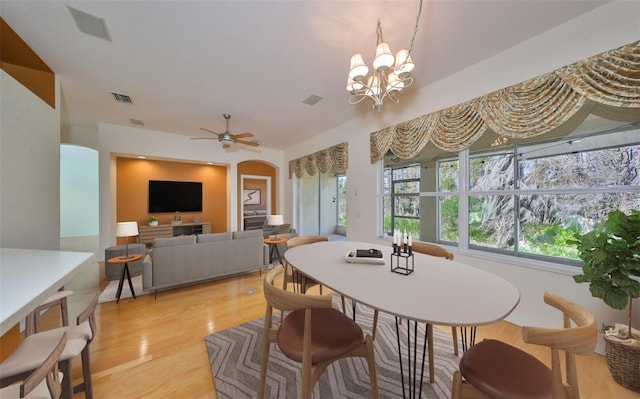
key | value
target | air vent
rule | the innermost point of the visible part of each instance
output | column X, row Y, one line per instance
column 90, row 24
column 312, row 100
column 136, row 122
column 122, row 98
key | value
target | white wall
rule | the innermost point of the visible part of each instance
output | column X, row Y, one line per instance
column 607, row 27
column 29, row 168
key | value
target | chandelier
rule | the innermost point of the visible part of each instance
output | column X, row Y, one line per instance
column 389, row 76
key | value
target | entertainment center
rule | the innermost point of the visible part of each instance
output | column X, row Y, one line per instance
column 148, row 233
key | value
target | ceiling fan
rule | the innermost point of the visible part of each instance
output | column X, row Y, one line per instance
column 227, row 138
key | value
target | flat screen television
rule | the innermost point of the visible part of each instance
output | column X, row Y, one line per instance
column 174, row 196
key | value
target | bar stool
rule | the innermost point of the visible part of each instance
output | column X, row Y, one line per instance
column 44, row 382
column 33, row 350
column 57, row 299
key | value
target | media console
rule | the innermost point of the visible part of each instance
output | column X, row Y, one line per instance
column 148, row 233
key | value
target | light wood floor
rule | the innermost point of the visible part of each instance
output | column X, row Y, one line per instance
column 148, row 348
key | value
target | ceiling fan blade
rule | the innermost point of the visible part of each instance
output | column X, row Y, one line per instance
column 210, row 131
column 203, row 138
column 243, row 135
column 251, row 143
column 225, row 146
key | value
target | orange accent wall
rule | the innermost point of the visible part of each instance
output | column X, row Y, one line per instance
column 132, row 185
column 23, row 64
column 257, row 168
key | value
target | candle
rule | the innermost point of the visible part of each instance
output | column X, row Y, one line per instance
column 410, row 240
column 405, row 237
column 395, row 238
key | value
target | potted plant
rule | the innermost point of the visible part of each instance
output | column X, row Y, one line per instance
column 153, row 221
column 611, row 265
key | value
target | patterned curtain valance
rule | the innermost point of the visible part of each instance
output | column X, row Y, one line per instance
column 322, row 161
column 607, row 84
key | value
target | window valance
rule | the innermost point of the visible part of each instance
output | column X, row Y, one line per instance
column 607, row 85
column 323, row 161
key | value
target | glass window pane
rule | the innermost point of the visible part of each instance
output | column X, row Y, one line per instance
column 407, row 206
column 548, row 221
column 599, row 168
column 386, row 181
column 448, row 176
column 491, row 221
column 491, row 172
column 448, row 207
column 410, row 226
column 342, row 200
column 408, row 172
column 409, row 187
column 386, row 216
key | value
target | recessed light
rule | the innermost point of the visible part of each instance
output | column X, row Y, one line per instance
column 141, row 157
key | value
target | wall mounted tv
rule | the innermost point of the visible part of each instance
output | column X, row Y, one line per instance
column 174, row 196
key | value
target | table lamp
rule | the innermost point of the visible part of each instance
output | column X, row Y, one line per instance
column 126, row 229
column 275, row 220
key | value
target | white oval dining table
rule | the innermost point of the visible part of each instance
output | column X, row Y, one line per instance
column 437, row 291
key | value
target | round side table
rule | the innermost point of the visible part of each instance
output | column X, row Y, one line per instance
column 125, row 270
column 274, row 252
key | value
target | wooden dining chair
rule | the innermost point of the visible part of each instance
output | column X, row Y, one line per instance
column 312, row 333
column 34, row 349
column 291, row 275
column 494, row 369
column 438, row 251
column 44, row 382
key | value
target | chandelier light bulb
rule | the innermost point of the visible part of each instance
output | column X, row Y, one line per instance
column 384, row 59
column 404, row 64
column 394, row 82
column 373, row 85
column 353, row 86
column 358, row 69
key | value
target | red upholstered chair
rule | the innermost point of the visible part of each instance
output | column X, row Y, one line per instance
column 313, row 334
column 494, row 369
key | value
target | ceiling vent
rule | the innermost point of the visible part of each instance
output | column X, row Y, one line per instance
column 312, row 100
column 122, row 98
column 90, row 24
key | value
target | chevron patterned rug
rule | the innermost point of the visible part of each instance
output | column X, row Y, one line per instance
column 234, row 356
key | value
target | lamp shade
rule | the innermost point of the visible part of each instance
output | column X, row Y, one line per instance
column 404, row 63
column 384, row 59
column 126, row 229
column 275, row 220
column 358, row 68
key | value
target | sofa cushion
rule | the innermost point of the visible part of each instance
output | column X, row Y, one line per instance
column 213, row 237
column 261, row 213
column 249, row 213
column 284, row 228
column 247, row 234
column 173, row 241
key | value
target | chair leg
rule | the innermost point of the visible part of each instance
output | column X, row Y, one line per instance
column 64, row 311
column 67, row 381
column 373, row 373
column 454, row 333
column 430, row 349
column 375, row 324
column 87, row 384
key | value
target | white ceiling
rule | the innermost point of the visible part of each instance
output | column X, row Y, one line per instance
column 185, row 63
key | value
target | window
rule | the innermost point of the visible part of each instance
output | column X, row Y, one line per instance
column 402, row 199
column 519, row 199
column 341, row 195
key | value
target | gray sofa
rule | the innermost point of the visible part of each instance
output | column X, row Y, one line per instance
column 189, row 259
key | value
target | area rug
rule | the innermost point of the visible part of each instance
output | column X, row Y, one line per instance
column 234, row 356
column 109, row 292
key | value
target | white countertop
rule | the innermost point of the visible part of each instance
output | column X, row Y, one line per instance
column 29, row 276
column 439, row 291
